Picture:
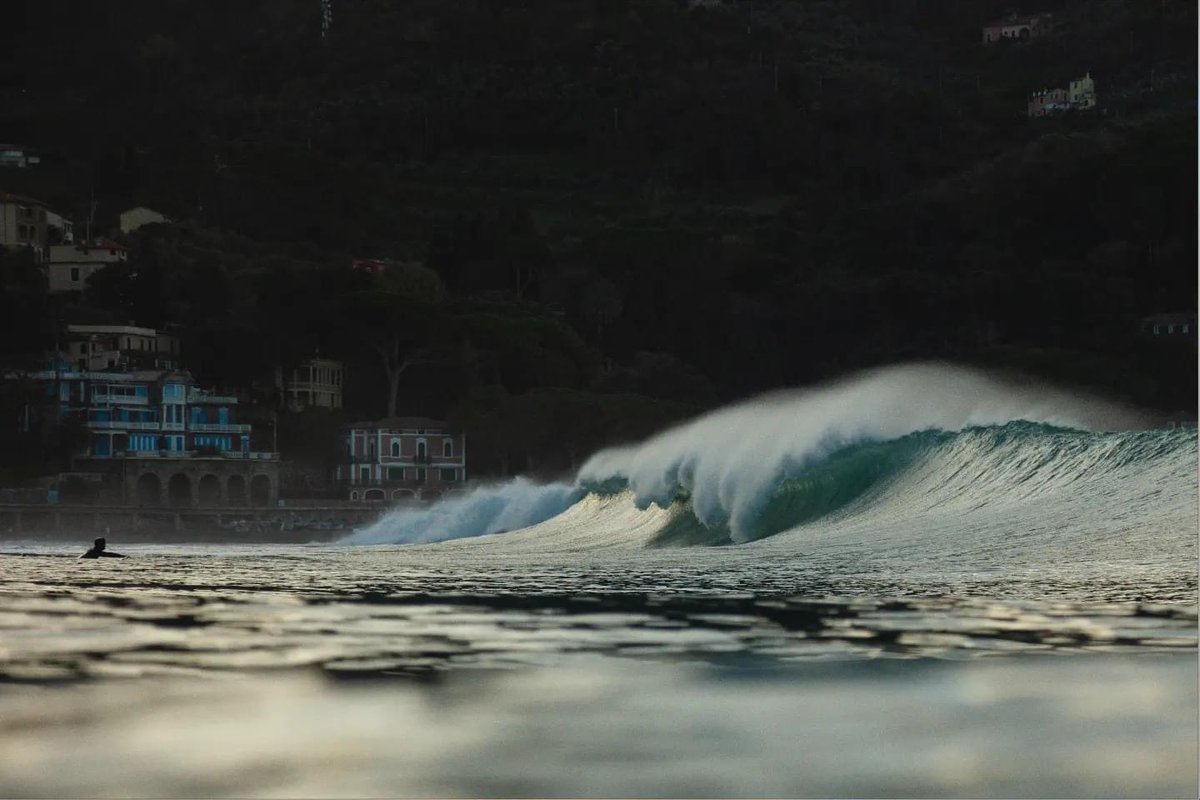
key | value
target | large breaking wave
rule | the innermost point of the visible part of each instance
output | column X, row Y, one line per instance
column 888, row 447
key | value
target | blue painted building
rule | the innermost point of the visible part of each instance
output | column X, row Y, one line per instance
column 141, row 414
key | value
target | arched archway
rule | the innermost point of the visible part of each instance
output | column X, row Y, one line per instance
column 354, row 495
column 404, row 494
column 179, row 490
column 236, row 489
column 374, row 496
column 260, row 490
column 149, row 490
column 210, row 490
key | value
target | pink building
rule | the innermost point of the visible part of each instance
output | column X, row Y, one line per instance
column 1017, row 28
column 402, row 458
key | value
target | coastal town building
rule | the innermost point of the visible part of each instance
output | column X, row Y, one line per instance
column 134, row 218
column 18, row 156
column 1017, row 28
column 1176, row 327
column 400, row 458
column 23, row 223
column 1079, row 96
column 70, row 265
column 60, row 229
column 1082, row 93
column 1047, row 102
column 155, row 436
column 92, row 348
column 316, row 383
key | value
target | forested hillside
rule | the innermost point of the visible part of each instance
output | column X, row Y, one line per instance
column 601, row 215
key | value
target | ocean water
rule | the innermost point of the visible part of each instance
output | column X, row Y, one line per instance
column 919, row 582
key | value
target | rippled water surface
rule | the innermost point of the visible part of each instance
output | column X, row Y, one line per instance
column 325, row 670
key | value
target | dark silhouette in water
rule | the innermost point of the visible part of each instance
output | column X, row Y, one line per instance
column 98, row 551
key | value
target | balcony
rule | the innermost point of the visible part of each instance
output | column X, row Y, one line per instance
column 217, row 427
column 101, row 398
column 232, row 455
column 198, row 396
column 122, row 425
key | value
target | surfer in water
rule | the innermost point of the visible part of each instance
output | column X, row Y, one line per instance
column 98, row 551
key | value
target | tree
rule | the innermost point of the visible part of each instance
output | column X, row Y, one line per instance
column 401, row 319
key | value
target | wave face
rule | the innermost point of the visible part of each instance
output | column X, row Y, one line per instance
column 930, row 458
column 731, row 462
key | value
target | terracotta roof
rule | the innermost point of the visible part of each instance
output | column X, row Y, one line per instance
column 5, row 197
column 393, row 423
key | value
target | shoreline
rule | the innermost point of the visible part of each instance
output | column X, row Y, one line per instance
column 285, row 525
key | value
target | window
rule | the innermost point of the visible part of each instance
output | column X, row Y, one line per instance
column 364, row 474
column 421, row 451
column 395, row 473
column 395, row 449
column 420, row 476
column 74, row 274
column 447, row 449
column 448, row 474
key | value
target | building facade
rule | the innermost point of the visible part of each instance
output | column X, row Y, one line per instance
column 1080, row 96
column 18, row 156
column 92, row 348
column 1082, row 93
column 70, row 265
column 134, row 218
column 402, row 458
column 1047, row 102
column 23, row 223
column 171, row 442
column 1016, row 28
column 317, row 383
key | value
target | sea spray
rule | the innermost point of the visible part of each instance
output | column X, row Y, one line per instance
column 495, row 508
column 731, row 461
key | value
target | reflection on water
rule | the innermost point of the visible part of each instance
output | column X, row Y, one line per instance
column 341, row 671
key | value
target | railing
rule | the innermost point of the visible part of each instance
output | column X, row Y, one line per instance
column 195, row 396
column 120, row 399
column 120, row 425
column 173, row 426
column 250, row 456
column 233, row 455
column 217, row 427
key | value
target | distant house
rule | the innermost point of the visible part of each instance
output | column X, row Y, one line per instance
column 1082, row 93
column 402, row 458
column 70, row 265
column 1081, row 96
column 18, row 156
column 317, row 383
column 1047, row 102
column 1017, row 28
column 61, row 229
column 371, row 266
column 92, row 348
column 23, row 223
column 1178, row 327
column 134, row 218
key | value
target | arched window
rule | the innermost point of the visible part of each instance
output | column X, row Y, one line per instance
column 395, row 449
column 447, row 448
column 421, row 451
